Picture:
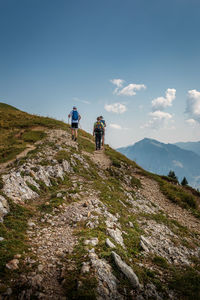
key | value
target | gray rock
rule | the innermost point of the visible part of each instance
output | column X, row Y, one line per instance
column 107, row 282
column 85, row 267
column 4, row 208
column 131, row 224
column 15, row 187
column 126, row 270
column 40, row 268
column 31, row 224
column 92, row 242
column 116, row 234
column 145, row 244
column 109, row 243
column 1, row 238
column 66, row 166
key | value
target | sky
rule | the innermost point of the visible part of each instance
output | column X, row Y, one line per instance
column 136, row 62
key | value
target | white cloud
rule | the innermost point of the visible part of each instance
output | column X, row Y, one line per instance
column 130, row 90
column 117, row 108
column 161, row 115
column 193, row 105
column 191, row 122
column 118, row 82
column 159, row 119
column 82, row 101
column 161, row 103
column 115, row 126
column 177, row 163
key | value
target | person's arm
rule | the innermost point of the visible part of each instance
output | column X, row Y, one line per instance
column 79, row 117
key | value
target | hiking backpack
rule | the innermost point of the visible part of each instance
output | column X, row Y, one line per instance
column 98, row 127
column 74, row 115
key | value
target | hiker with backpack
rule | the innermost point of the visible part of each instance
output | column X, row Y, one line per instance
column 75, row 118
column 104, row 125
column 98, row 132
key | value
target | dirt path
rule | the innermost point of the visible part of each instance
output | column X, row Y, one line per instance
column 151, row 191
column 29, row 148
column 51, row 237
column 51, row 243
column 99, row 158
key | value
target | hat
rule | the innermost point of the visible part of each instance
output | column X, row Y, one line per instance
column 74, row 107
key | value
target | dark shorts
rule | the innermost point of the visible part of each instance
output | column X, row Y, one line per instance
column 74, row 126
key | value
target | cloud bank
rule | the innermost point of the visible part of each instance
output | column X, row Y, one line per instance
column 161, row 103
column 128, row 90
column 117, row 108
column 193, row 105
column 159, row 118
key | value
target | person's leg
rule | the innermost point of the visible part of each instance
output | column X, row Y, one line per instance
column 96, row 141
column 76, row 131
column 76, row 134
column 103, row 139
column 72, row 132
column 100, row 140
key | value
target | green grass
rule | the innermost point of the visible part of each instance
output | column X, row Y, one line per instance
column 13, row 230
column 52, row 203
column 185, row 197
column 161, row 262
column 16, row 130
column 186, row 282
column 86, row 145
column 63, row 155
column 118, row 158
column 33, row 136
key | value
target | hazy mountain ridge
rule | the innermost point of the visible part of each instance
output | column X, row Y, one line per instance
column 160, row 158
column 192, row 146
column 81, row 224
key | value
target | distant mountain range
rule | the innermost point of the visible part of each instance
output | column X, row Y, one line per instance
column 160, row 158
column 192, row 146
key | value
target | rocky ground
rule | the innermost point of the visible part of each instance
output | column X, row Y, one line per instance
column 93, row 233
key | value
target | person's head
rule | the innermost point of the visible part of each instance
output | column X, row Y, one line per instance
column 98, row 119
column 74, row 108
column 101, row 117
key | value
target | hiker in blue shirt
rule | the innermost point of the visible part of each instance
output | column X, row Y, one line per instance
column 103, row 134
column 75, row 118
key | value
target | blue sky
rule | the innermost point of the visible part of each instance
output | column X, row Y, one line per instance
column 136, row 62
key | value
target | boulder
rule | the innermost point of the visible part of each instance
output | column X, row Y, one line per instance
column 126, row 270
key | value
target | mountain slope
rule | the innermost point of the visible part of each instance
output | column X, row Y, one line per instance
column 160, row 158
column 81, row 224
column 191, row 146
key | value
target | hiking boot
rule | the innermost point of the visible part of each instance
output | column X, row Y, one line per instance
column 75, row 139
column 72, row 137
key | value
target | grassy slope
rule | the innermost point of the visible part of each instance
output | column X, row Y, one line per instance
column 17, row 131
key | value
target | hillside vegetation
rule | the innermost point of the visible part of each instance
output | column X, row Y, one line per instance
column 81, row 224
